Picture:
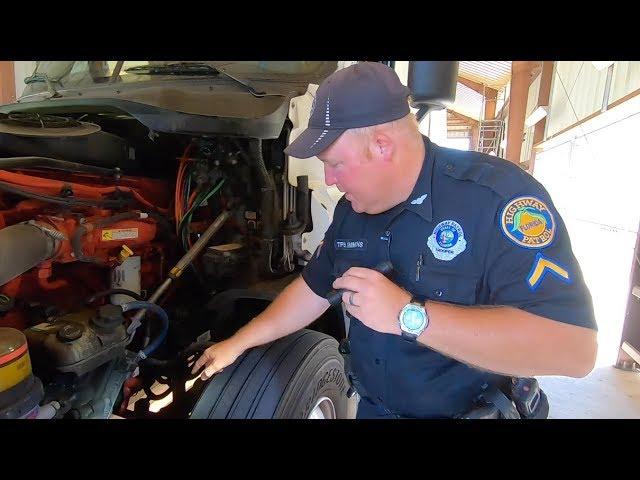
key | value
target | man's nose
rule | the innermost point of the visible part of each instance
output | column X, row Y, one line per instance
column 329, row 177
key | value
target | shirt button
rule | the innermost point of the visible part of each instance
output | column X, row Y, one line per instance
column 437, row 293
column 449, row 167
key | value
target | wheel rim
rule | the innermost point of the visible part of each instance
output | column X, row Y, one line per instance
column 323, row 410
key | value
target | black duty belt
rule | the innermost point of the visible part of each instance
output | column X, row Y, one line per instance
column 525, row 398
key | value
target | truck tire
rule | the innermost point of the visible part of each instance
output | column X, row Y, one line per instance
column 298, row 376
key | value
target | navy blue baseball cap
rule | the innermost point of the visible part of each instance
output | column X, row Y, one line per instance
column 360, row 95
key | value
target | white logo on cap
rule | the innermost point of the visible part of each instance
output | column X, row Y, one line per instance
column 313, row 107
column 327, row 123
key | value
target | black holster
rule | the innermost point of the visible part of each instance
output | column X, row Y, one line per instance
column 354, row 385
column 518, row 398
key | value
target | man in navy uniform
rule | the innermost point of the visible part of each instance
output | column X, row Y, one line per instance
column 484, row 286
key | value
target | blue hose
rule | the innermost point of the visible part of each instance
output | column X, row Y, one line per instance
column 126, row 307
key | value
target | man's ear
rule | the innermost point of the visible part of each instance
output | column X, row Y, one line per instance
column 383, row 147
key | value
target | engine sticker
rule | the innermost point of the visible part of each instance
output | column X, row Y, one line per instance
column 119, row 234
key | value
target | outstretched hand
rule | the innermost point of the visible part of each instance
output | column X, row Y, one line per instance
column 215, row 358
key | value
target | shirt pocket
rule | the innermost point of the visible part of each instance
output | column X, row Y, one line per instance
column 344, row 260
column 448, row 285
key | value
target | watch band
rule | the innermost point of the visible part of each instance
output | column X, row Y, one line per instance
column 418, row 299
column 411, row 337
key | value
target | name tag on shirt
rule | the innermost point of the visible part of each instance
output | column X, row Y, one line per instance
column 351, row 245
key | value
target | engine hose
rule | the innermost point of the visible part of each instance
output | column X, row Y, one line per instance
column 22, row 247
column 158, row 310
column 114, row 291
column 302, row 199
column 8, row 163
column 256, row 153
column 182, row 355
column 76, row 240
column 69, row 202
column 165, row 232
column 270, row 201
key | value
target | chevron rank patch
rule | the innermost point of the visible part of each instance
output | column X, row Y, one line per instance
column 543, row 266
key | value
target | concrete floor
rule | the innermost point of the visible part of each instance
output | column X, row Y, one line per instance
column 607, row 392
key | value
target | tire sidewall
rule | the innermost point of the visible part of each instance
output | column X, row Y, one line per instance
column 328, row 381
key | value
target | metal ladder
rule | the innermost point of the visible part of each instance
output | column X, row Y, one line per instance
column 490, row 132
column 490, row 136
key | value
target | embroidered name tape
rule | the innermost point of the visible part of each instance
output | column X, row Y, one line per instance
column 359, row 244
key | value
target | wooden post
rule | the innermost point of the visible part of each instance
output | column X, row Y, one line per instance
column 7, row 83
column 520, row 82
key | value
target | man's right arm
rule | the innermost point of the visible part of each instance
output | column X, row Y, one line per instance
column 299, row 304
column 296, row 307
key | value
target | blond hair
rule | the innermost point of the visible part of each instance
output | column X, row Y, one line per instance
column 408, row 123
column 405, row 126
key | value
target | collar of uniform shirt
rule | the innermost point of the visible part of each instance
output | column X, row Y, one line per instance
column 420, row 199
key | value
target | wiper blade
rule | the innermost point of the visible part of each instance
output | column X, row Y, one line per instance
column 249, row 88
column 185, row 68
column 190, row 68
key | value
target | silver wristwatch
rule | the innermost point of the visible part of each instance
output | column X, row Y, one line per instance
column 413, row 319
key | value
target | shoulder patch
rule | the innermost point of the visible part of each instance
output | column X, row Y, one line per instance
column 528, row 222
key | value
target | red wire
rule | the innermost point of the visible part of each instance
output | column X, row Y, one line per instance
column 178, row 209
column 192, row 197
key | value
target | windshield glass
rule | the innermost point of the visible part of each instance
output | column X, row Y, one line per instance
column 74, row 74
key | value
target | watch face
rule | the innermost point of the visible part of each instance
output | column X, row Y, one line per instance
column 413, row 318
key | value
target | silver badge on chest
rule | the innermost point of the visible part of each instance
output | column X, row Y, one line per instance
column 447, row 240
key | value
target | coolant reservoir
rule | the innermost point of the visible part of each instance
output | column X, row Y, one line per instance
column 127, row 276
column 20, row 391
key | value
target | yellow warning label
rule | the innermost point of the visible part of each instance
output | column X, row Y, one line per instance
column 119, row 234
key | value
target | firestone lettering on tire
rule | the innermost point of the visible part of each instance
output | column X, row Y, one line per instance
column 335, row 375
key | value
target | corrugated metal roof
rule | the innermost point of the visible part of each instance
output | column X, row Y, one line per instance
column 468, row 102
column 492, row 74
column 496, row 75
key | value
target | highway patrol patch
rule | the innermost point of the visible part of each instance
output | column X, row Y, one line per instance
column 528, row 222
column 447, row 240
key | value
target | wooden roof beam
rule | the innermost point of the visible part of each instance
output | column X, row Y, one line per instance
column 490, row 93
column 472, row 122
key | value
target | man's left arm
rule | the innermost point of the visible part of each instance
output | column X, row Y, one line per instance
column 542, row 319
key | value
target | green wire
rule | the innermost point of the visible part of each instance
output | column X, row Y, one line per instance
column 199, row 200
